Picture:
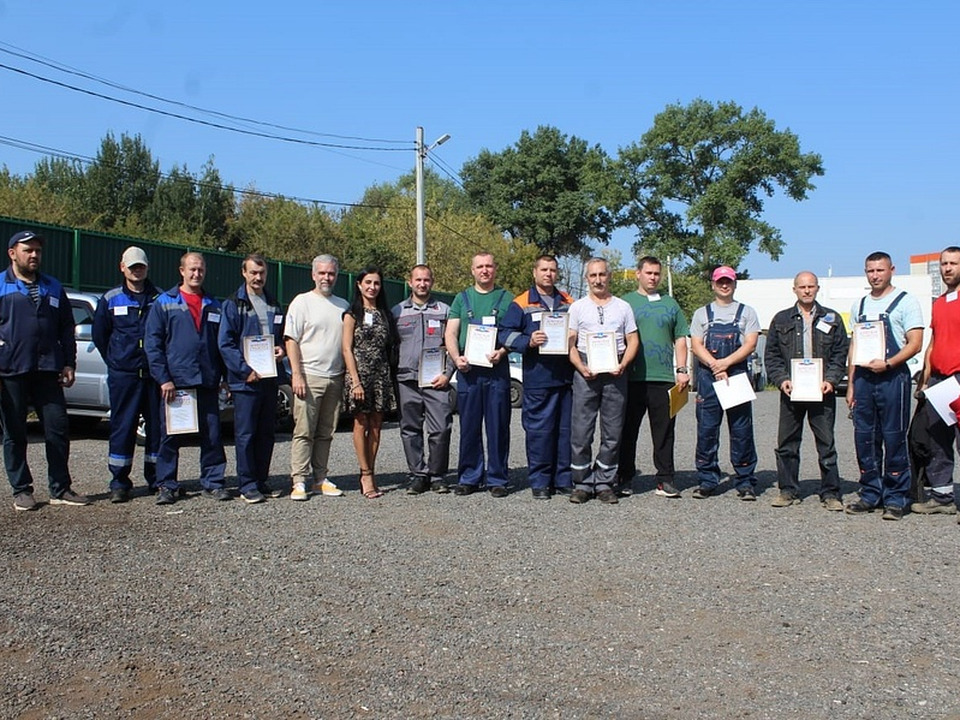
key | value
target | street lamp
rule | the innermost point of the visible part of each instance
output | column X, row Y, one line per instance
column 422, row 151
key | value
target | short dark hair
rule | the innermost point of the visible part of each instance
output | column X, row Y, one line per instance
column 879, row 255
column 421, row 266
column 255, row 258
column 546, row 258
column 648, row 260
column 950, row 249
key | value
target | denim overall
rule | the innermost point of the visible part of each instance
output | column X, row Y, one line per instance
column 722, row 340
column 881, row 416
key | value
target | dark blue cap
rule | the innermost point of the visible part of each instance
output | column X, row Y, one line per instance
column 24, row 236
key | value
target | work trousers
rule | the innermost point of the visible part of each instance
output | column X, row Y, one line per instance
column 213, row 460
column 130, row 397
column 601, row 397
column 943, row 439
column 881, row 416
column 483, row 402
column 546, row 423
column 315, row 420
column 743, row 450
column 254, row 427
column 424, row 409
column 43, row 391
column 653, row 399
column 821, row 416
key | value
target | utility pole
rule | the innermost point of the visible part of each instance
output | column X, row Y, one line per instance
column 422, row 151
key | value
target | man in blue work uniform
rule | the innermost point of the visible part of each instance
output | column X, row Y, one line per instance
column 723, row 335
column 118, row 325
column 38, row 358
column 878, row 391
column 483, row 392
column 547, row 381
column 421, row 320
column 251, row 315
column 181, row 346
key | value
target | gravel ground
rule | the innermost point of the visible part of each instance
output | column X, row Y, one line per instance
column 444, row 607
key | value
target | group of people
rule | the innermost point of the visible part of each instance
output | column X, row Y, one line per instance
column 597, row 361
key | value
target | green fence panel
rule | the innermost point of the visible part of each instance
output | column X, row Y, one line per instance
column 90, row 261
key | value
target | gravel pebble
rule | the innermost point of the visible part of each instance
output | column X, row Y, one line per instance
column 445, row 607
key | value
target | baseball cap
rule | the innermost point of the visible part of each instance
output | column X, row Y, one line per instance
column 134, row 256
column 24, row 236
column 724, row 271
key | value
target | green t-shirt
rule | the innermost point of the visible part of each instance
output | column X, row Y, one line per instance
column 660, row 324
column 493, row 304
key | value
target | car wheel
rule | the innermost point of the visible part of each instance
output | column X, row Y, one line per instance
column 284, row 409
column 516, row 393
column 141, row 431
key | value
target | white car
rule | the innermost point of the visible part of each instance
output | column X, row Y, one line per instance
column 516, row 382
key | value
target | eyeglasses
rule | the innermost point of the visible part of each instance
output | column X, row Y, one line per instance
column 600, row 313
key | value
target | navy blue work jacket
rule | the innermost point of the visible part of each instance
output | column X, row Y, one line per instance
column 240, row 320
column 118, row 326
column 176, row 350
column 35, row 337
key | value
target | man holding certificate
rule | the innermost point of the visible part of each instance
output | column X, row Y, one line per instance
column 806, row 357
column 536, row 327
column 251, row 345
column 603, row 342
column 723, row 335
column 878, row 390
column 423, row 381
column 483, row 388
column 942, row 363
column 180, row 341
column 663, row 331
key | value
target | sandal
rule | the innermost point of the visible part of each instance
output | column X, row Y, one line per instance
column 374, row 492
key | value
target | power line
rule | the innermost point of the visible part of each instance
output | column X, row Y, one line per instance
column 446, row 170
column 86, row 160
column 40, row 60
column 207, row 123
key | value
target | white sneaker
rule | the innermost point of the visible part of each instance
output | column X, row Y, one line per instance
column 328, row 488
column 299, row 491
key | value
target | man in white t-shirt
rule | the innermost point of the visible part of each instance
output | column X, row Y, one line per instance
column 313, row 334
column 603, row 342
column 878, row 391
column 723, row 335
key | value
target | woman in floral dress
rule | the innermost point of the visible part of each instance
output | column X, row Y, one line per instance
column 369, row 339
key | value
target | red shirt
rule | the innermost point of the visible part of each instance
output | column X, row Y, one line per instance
column 195, row 303
column 945, row 323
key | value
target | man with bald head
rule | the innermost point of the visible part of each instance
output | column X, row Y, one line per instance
column 806, row 330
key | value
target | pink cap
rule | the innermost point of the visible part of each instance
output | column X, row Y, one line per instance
column 724, row 272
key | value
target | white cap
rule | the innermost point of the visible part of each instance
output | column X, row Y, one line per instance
column 134, row 256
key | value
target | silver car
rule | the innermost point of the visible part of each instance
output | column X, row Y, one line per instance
column 88, row 400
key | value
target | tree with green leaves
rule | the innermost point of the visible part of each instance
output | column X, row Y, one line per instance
column 694, row 186
column 120, row 183
column 548, row 190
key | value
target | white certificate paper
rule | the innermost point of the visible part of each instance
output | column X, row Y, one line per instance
column 432, row 363
column 806, row 376
column 735, row 390
column 602, row 352
column 181, row 413
column 259, row 355
column 869, row 342
column 481, row 341
column 941, row 395
column 556, row 326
